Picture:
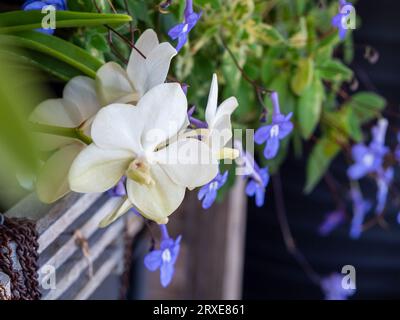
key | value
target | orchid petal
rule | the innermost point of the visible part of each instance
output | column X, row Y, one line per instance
column 113, row 84
column 119, row 126
column 164, row 111
column 145, row 73
column 52, row 183
column 97, row 170
column 81, row 91
column 56, row 112
column 156, row 202
column 147, row 42
column 125, row 206
column 188, row 162
column 212, row 103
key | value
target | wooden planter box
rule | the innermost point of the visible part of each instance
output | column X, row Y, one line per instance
column 72, row 245
column 209, row 267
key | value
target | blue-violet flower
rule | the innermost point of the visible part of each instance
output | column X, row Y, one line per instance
column 181, row 31
column 208, row 193
column 279, row 128
column 164, row 258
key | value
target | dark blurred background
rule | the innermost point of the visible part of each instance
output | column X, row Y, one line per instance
column 270, row 272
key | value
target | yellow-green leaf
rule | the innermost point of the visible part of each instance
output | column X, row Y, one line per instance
column 303, row 75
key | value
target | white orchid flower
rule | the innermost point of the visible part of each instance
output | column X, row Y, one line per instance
column 78, row 105
column 218, row 119
column 116, row 85
column 133, row 141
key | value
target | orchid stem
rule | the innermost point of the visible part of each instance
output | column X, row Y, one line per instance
column 74, row 133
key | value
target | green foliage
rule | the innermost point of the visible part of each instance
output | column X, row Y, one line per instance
column 310, row 107
column 16, row 21
column 18, row 152
column 319, row 160
column 56, row 48
column 303, row 75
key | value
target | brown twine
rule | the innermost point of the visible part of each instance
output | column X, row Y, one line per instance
column 83, row 243
column 3, row 293
column 24, row 282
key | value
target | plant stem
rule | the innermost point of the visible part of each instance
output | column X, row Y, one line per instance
column 74, row 133
column 287, row 234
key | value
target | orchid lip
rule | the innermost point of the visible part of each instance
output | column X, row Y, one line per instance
column 139, row 171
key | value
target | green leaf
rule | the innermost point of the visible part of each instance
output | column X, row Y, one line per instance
column 269, row 35
column 334, row 70
column 299, row 39
column 303, row 75
column 343, row 124
column 319, row 160
column 18, row 152
column 268, row 67
column 81, row 5
column 366, row 105
column 52, row 66
column 98, row 42
column 287, row 100
column 309, row 108
column 56, row 48
column 15, row 21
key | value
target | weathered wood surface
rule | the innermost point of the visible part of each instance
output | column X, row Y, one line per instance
column 58, row 226
column 210, row 265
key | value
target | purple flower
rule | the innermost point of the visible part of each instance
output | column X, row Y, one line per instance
column 208, row 192
column 360, row 209
column 39, row 4
column 119, row 190
column 258, row 178
column 397, row 150
column 182, row 30
column 279, row 128
column 337, row 21
column 164, row 258
column 332, row 221
column 256, row 186
column 333, row 288
column 194, row 121
column 383, row 180
column 369, row 159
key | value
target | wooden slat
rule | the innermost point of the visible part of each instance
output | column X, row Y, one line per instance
column 64, row 220
column 87, row 230
column 113, row 259
column 75, row 268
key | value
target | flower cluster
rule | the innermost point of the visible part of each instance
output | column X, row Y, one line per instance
column 142, row 144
